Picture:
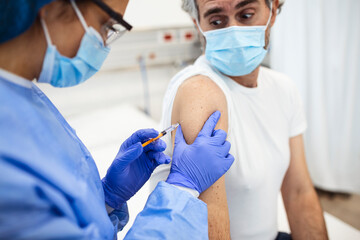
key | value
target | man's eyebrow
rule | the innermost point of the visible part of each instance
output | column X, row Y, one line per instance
column 212, row 11
column 244, row 3
column 219, row 9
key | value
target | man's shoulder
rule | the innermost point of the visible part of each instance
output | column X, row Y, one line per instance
column 197, row 81
column 200, row 89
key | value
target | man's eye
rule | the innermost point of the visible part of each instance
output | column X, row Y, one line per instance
column 247, row 15
column 216, row 23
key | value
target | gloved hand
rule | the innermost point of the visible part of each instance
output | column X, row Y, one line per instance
column 201, row 164
column 132, row 167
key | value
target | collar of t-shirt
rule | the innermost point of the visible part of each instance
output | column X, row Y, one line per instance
column 246, row 90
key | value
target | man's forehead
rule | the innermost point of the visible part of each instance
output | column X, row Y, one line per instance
column 205, row 2
column 209, row 7
column 223, row 2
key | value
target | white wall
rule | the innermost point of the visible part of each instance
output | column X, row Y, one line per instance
column 145, row 14
column 316, row 43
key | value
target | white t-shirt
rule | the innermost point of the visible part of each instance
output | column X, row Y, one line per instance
column 261, row 122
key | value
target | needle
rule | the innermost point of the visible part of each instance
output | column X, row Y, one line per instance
column 163, row 133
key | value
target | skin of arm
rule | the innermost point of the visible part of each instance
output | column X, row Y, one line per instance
column 302, row 205
column 197, row 98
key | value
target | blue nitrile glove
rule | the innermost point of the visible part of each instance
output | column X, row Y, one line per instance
column 132, row 167
column 200, row 165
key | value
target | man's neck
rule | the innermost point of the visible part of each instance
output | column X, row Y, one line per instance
column 250, row 80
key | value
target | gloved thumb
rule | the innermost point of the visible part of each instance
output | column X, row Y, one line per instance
column 210, row 124
column 229, row 160
column 131, row 154
column 179, row 136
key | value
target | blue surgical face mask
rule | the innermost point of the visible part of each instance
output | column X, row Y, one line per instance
column 61, row 71
column 236, row 51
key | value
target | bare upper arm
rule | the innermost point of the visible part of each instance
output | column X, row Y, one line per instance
column 196, row 99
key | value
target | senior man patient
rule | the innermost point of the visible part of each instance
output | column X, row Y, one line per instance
column 263, row 115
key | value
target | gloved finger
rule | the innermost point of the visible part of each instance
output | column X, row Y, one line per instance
column 158, row 157
column 179, row 136
column 131, row 154
column 210, row 124
column 219, row 136
column 140, row 136
column 158, row 146
column 225, row 148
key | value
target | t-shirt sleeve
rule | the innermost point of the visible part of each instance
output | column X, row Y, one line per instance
column 298, row 123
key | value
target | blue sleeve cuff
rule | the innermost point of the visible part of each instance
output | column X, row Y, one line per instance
column 120, row 217
column 171, row 213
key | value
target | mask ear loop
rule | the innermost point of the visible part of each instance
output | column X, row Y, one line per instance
column 49, row 58
column 79, row 14
column 268, row 22
column 267, row 25
column 201, row 31
column 46, row 32
column 198, row 25
column 84, row 24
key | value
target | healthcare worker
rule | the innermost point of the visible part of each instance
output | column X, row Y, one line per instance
column 49, row 185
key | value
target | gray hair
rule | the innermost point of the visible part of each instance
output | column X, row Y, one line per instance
column 191, row 7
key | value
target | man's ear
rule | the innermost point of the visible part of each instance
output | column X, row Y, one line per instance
column 274, row 10
column 195, row 24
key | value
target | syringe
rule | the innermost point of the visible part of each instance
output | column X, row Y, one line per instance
column 163, row 133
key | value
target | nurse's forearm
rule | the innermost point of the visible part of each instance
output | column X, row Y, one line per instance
column 306, row 217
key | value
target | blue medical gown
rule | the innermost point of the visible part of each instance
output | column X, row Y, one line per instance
column 50, row 186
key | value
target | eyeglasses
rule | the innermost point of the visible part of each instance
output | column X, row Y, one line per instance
column 115, row 27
